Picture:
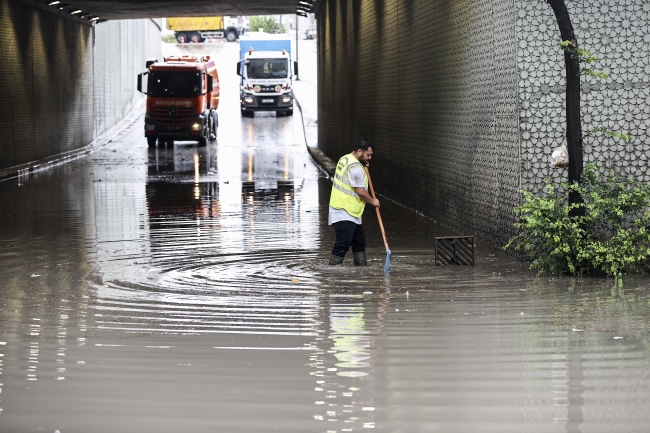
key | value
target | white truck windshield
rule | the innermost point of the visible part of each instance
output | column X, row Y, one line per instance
column 267, row 68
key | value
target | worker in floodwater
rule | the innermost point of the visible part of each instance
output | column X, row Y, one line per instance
column 347, row 202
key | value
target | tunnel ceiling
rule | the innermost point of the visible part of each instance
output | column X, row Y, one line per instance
column 130, row 9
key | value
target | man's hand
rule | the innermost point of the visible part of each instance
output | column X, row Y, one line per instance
column 363, row 195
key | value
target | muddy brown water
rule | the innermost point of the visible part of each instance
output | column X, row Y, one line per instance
column 185, row 289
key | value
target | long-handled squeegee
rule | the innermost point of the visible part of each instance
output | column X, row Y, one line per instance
column 381, row 224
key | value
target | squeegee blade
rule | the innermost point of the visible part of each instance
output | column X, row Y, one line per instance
column 387, row 264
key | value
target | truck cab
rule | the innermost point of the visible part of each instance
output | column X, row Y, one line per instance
column 266, row 72
column 182, row 99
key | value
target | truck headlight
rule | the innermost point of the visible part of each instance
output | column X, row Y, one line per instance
column 196, row 126
column 149, row 127
column 248, row 99
column 286, row 99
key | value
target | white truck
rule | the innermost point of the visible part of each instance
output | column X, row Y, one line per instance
column 266, row 72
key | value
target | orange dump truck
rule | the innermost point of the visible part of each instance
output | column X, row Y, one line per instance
column 182, row 99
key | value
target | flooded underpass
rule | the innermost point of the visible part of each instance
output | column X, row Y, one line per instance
column 185, row 288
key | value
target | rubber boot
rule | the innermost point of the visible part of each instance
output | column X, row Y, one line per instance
column 360, row 259
column 336, row 260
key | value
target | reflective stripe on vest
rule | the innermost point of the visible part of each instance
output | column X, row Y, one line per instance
column 343, row 195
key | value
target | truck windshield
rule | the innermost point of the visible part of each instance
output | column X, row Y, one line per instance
column 174, row 84
column 267, row 68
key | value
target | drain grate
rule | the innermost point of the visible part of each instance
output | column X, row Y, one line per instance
column 454, row 250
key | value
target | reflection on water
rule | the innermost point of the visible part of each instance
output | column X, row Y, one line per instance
column 185, row 289
column 224, row 254
column 343, row 366
column 2, row 358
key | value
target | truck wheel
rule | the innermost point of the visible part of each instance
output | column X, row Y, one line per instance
column 151, row 141
column 203, row 139
column 231, row 36
column 213, row 129
column 181, row 38
column 195, row 37
column 290, row 112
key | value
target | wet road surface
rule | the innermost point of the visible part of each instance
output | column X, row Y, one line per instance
column 185, row 289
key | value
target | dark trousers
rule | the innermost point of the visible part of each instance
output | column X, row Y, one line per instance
column 348, row 234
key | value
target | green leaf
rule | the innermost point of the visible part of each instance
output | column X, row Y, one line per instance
column 613, row 236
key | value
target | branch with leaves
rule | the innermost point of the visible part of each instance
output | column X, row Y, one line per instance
column 613, row 235
column 611, row 133
column 584, row 57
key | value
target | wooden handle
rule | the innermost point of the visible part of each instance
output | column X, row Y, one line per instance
column 381, row 224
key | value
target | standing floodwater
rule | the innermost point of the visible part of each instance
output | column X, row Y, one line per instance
column 185, row 289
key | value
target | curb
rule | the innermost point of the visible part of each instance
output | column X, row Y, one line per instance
column 62, row 158
column 323, row 161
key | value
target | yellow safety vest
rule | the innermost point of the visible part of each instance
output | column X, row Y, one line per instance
column 343, row 195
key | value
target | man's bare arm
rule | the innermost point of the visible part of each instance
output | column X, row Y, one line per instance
column 363, row 195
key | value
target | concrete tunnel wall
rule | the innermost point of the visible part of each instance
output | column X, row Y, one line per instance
column 64, row 83
column 465, row 99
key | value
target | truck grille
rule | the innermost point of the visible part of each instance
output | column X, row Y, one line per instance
column 173, row 116
column 267, row 89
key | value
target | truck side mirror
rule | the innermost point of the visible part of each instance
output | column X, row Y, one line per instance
column 140, row 82
column 295, row 68
column 239, row 67
column 210, row 83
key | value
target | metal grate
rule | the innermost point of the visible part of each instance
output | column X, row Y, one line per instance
column 174, row 116
column 455, row 250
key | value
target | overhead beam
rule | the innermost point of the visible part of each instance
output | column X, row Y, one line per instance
column 135, row 9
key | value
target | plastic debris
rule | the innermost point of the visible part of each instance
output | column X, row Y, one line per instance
column 560, row 157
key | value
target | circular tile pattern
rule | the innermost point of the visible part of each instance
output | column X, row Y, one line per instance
column 618, row 33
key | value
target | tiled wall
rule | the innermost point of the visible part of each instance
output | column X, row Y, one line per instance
column 465, row 99
column 618, row 33
column 121, row 50
column 64, row 83
column 433, row 84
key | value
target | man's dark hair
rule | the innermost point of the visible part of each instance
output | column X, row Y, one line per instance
column 364, row 144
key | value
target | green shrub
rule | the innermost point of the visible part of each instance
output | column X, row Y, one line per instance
column 268, row 24
column 612, row 237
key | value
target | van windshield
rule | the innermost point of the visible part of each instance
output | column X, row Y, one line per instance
column 174, row 84
column 267, row 68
